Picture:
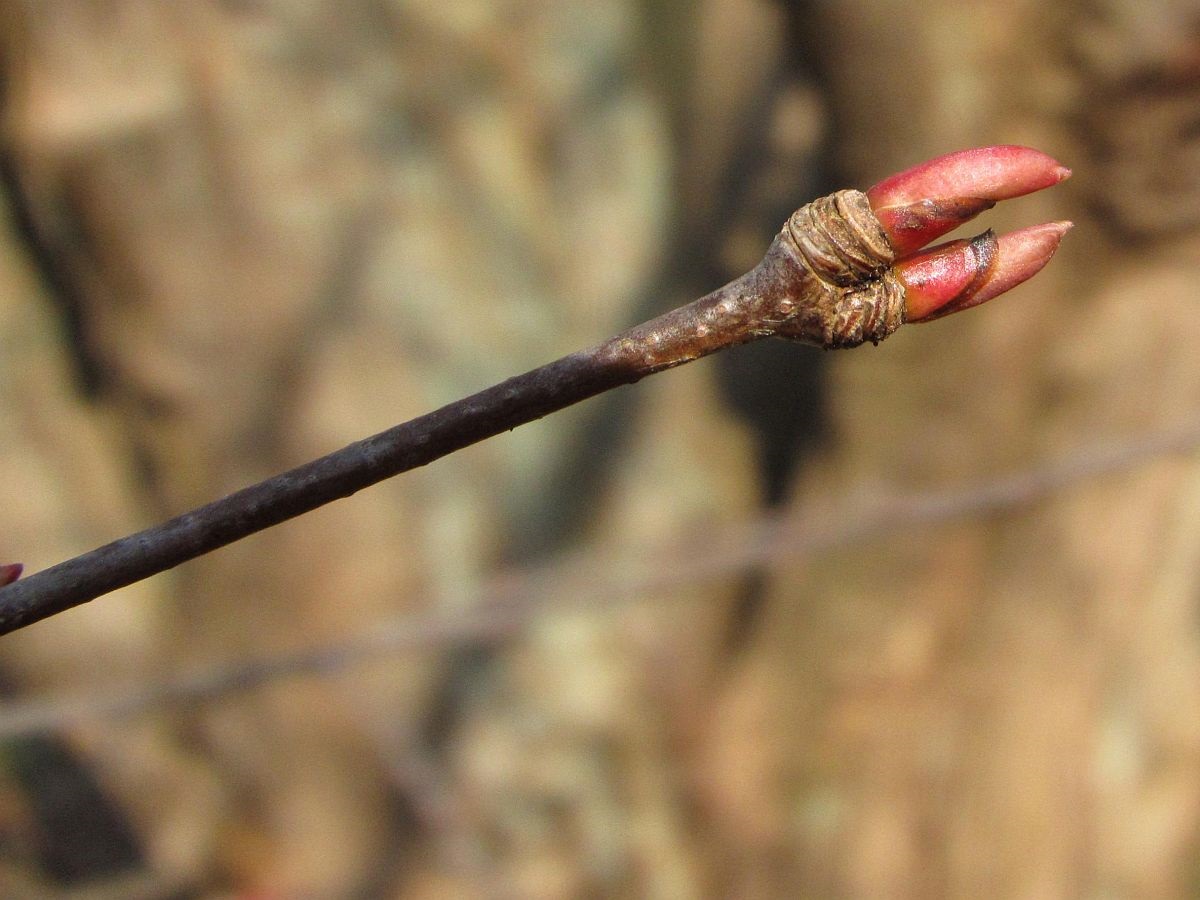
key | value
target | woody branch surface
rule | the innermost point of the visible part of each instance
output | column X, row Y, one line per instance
column 841, row 272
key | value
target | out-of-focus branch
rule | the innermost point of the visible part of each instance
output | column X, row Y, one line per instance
column 511, row 602
column 831, row 278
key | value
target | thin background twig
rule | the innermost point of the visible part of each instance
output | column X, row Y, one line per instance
column 512, row 601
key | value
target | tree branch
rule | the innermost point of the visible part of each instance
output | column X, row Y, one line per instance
column 827, row 279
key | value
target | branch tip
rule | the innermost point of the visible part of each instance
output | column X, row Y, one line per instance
column 842, row 272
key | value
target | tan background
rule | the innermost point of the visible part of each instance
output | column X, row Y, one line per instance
column 240, row 234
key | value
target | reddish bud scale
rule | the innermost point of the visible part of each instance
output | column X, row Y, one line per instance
column 961, row 274
column 914, row 225
column 945, row 273
column 921, row 204
column 928, row 200
column 10, row 573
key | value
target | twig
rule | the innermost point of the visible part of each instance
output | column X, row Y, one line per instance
column 779, row 292
column 507, row 605
column 827, row 279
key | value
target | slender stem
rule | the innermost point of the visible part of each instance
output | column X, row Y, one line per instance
column 824, row 280
column 727, row 316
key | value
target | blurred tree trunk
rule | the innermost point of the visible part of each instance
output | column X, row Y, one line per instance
column 268, row 229
column 1004, row 707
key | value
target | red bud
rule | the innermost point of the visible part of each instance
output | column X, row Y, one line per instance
column 960, row 274
column 10, row 573
column 922, row 203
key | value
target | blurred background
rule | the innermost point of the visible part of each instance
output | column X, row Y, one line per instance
column 910, row 621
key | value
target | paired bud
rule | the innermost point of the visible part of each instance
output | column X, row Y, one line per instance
column 923, row 203
column 10, row 573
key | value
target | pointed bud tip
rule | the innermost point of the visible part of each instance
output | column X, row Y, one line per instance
column 961, row 274
column 921, row 204
column 988, row 173
column 1020, row 255
column 10, row 573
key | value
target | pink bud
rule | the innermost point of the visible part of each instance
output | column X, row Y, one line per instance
column 922, row 203
column 10, row 573
column 960, row 274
